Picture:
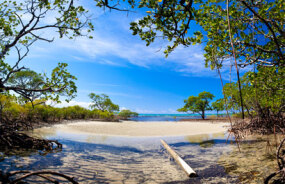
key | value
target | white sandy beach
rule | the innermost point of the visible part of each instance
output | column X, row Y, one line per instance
column 142, row 129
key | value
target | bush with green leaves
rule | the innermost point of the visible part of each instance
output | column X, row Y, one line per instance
column 28, row 113
column 263, row 92
column 125, row 114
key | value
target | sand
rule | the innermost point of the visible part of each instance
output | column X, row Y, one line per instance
column 143, row 129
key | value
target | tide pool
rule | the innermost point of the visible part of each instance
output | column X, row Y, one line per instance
column 114, row 159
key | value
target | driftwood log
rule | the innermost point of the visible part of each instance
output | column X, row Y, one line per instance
column 187, row 169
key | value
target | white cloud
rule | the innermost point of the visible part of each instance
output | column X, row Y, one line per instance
column 102, row 47
column 110, row 93
column 109, row 44
column 78, row 58
column 185, row 60
column 123, row 108
column 190, row 60
column 108, row 62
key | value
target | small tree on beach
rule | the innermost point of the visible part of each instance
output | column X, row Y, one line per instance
column 103, row 103
column 218, row 105
column 198, row 104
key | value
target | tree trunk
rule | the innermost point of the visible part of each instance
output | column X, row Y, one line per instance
column 203, row 114
column 240, row 95
column 233, row 50
column 1, row 112
column 248, row 112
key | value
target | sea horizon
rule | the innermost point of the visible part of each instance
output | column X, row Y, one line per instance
column 143, row 117
column 173, row 115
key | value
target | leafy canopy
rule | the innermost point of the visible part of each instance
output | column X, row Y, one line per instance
column 103, row 103
column 218, row 105
column 21, row 25
column 263, row 92
column 198, row 104
column 257, row 29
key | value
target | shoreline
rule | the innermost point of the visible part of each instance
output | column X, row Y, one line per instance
column 138, row 129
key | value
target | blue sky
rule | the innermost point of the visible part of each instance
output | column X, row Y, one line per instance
column 119, row 64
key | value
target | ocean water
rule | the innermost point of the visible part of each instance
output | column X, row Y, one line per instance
column 109, row 159
column 165, row 117
column 93, row 159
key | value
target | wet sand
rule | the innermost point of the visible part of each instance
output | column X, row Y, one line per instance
column 142, row 129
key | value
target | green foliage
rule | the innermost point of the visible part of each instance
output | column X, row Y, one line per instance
column 257, row 32
column 125, row 114
column 232, row 94
column 11, row 112
column 6, row 100
column 198, row 104
column 166, row 19
column 218, row 105
column 106, row 115
column 256, row 28
column 103, row 103
column 31, row 85
column 263, row 92
column 238, row 115
column 22, row 24
column 75, row 112
column 27, row 79
column 68, row 20
column 61, row 83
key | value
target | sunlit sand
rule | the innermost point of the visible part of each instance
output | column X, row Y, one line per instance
column 142, row 129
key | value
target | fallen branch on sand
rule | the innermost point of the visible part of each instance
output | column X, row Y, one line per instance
column 187, row 169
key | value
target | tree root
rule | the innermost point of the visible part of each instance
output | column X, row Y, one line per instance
column 280, row 155
column 262, row 126
column 10, row 138
column 265, row 126
column 7, row 178
column 13, row 139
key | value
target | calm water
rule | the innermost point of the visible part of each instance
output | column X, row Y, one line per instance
column 104, row 159
column 109, row 159
column 165, row 117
